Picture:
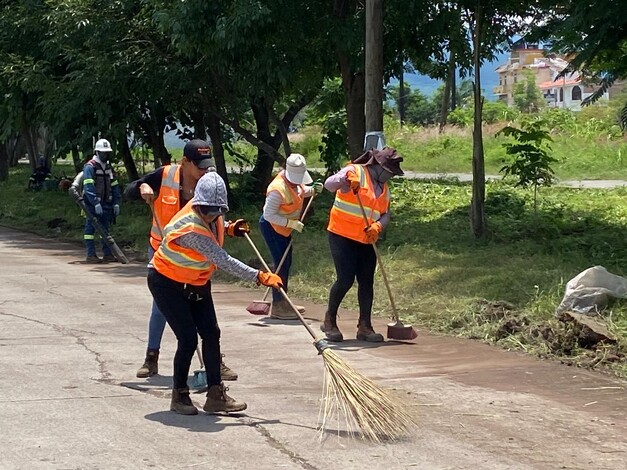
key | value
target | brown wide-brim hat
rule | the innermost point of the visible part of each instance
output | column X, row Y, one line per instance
column 387, row 158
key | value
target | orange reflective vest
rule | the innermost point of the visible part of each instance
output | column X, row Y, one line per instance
column 167, row 203
column 292, row 202
column 182, row 264
column 346, row 218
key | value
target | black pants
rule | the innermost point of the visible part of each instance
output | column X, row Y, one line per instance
column 353, row 260
column 188, row 318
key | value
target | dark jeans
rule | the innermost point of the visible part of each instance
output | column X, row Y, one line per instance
column 277, row 244
column 188, row 319
column 89, row 232
column 353, row 260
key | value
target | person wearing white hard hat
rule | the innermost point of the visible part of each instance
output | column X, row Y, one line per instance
column 101, row 194
column 281, row 214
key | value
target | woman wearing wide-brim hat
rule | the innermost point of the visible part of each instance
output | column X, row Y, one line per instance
column 351, row 239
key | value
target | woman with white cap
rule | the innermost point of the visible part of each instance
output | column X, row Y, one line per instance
column 179, row 278
column 281, row 214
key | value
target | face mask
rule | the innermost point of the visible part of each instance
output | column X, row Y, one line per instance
column 103, row 156
column 382, row 175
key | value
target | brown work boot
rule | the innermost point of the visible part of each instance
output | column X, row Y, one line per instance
column 151, row 364
column 282, row 310
column 226, row 372
column 366, row 333
column 218, row 400
column 93, row 259
column 181, row 403
column 330, row 329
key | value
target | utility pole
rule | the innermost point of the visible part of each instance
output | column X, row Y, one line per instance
column 374, row 75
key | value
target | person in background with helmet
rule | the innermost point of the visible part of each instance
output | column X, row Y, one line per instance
column 169, row 188
column 101, row 193
column 351, row 239
column 179, row 277
column 281, row 215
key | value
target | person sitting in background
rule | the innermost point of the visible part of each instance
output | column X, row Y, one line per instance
column 40, row 175
column 179, row 278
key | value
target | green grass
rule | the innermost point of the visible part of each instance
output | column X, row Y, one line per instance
column 503, row 289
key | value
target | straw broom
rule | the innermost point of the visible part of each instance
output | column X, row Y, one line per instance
column 364, row 404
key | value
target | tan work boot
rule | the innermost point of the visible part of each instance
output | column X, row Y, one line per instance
column 181, row 403
column 282, row 310
column 151, row 364
column 219, row 401
column 366, row 333
column 330, row 329
column 226, row 372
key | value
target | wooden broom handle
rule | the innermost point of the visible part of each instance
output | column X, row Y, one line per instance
column 380, row 262
column 265, row 265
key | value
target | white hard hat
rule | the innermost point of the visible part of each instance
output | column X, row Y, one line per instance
column 103, row 145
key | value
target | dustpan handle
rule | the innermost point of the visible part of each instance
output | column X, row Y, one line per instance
column 379, row 262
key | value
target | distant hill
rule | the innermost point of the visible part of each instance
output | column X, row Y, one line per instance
column 489, row 79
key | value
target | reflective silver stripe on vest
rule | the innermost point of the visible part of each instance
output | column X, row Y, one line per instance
column 177, row 258
column 168, row 181
column 354, row 209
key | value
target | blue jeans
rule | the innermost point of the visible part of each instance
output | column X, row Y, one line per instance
column 89, row 232
column 156, row 324
column 277, row 245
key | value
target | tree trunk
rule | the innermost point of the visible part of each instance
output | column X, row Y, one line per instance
column 127, row 158
column 215, row 134
column 354, row 101
column 262, row 172
column 4, row 162
column 401, row 96
column 76, row 159
column 374, row 66
column 448, row 88
column 477, row 207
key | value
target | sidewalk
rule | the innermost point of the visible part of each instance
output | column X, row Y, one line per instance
column 69, row 397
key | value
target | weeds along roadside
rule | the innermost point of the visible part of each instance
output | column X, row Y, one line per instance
column 502, row 290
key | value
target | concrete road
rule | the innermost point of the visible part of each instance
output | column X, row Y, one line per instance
column 73, row 335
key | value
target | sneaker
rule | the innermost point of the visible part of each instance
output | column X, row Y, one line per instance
column 366, row 333
column 93, row 259
column 181, row 403
column 151, row 364
column 109, row 259
column 219, row 401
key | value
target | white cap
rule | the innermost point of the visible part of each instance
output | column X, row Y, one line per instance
column 296, row 170
column 103, row 145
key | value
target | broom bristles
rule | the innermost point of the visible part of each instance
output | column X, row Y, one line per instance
column 364, row 404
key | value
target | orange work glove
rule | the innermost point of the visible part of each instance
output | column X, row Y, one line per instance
column 373, row 231
column 269, row 279
column 237, row 228
column 353, row 180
